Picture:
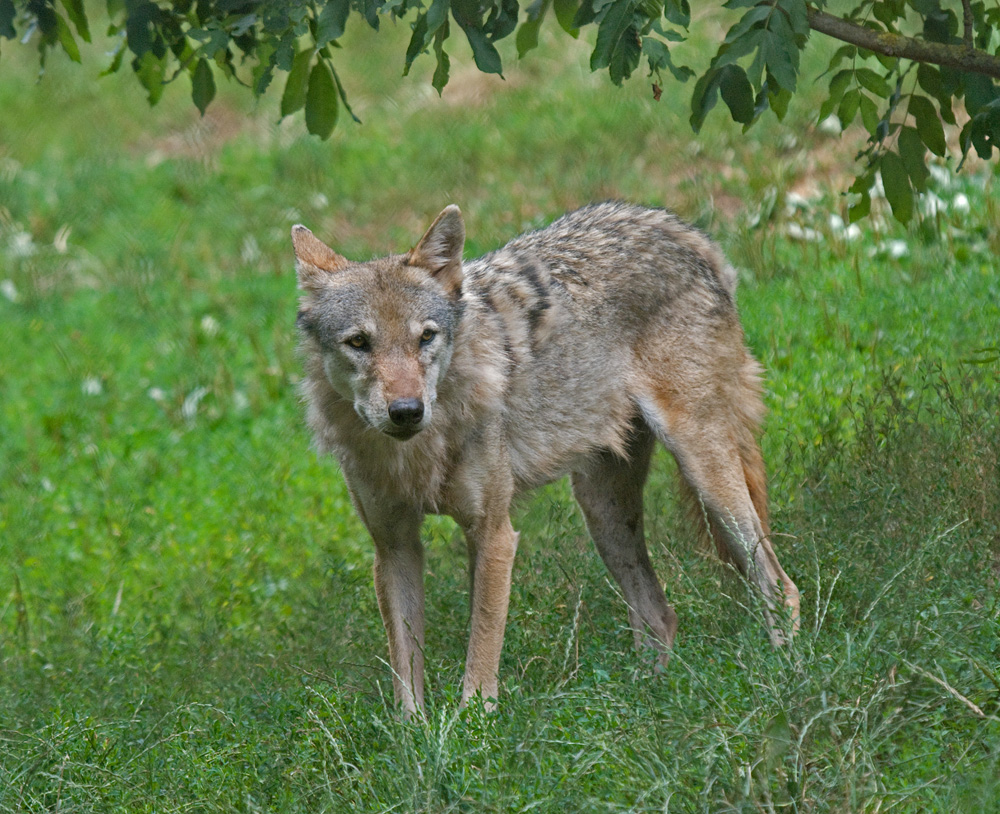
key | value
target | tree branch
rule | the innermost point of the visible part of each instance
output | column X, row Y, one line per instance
column 962, row 57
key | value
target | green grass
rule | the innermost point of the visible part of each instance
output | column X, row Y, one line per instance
column 186, row 614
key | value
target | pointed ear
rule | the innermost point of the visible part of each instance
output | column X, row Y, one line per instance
column 314, row 260
column 440, row 249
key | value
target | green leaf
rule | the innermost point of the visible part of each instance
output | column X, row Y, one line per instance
column 678, row 12
column 437, row 15
column 870, row 115
column 862, row 186
column 565, row 12
column 861, row 209
column 213, row 40
column 418, row 42
column 984, row 130
column 587, row 13
column 979, row 92
column 484, row 52
column 928, row 124
column 838, row 86
column 202, row 86
column 7, row 14
column 139, row 15
column 263, row 71
column 116, row 60
column 782, row 59
column 896, row 183
column 321, row 101
column 76, row 13
column 527, row 36
column 502, row 19
column 930, row 80
column 443, row 69
column 704, row 97
column 737, row 93
column 369, row 8
column 617, row 21
column 625, row 58
column 737, row 49
column 658, row 55
column 150, row 71
column 753, row 17
column 913, row 152
column 870, row 80
column 294, row 96
column 66, row 39
column 848, row 108
column 848, row 52
column 779, row 99
column 798, row 17
column 331, row 21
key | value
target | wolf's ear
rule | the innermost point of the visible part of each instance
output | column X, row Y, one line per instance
column 440, row 249
column 314, row 260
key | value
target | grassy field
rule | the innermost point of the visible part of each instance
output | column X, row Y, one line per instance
column 187, row 621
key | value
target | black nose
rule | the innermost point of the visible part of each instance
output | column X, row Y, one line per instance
column 406, row 412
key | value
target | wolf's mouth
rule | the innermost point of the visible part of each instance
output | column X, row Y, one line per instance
column 401, row 433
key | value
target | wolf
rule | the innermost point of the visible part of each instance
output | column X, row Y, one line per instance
column 450, row 387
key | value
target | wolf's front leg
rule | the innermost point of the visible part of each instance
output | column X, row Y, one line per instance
column 492, row 545
column 399, row 586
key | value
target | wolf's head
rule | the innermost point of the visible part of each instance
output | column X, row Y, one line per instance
column 384, row 330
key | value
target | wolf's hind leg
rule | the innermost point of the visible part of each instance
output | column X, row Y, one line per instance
column 722, row 467
column 610, row 494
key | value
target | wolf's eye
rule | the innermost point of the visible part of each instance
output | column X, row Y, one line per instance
column 358, row 342
column 427, row 335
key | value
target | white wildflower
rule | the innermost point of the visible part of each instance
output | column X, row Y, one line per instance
column 319, row 201
column 797, row 232
column 61, row 240
column 190, row 407
column 22, row 245
column 894, row 248
column 960, row 203
column 932, row 204
column 250, row 250
column 92, row 386
column 942, row 177
column 844, row 231
column 831, row 126
column 156, row 394
column 793, row 201
column 9, row 290
column 209, row 325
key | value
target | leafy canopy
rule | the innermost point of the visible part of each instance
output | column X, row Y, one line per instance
column 904, row 67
